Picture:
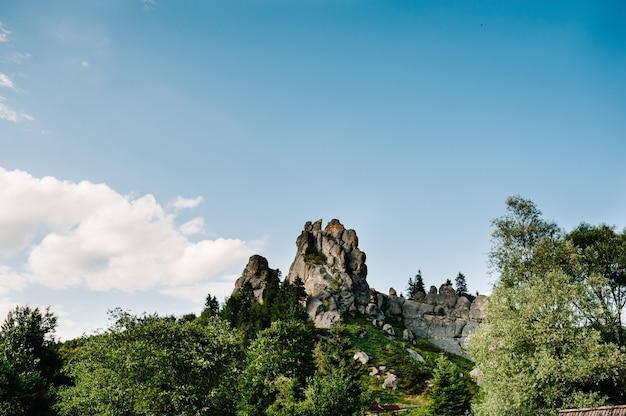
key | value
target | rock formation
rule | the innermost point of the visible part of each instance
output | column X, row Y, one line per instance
column 333, row 271
column 441, row 316
column 257, row 273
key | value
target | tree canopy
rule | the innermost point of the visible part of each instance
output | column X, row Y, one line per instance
column 151, row 365
column 29, row 363
column 538, row 351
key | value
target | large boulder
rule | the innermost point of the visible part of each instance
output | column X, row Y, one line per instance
column 333, row 270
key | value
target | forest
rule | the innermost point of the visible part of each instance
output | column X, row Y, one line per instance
column 553, row 338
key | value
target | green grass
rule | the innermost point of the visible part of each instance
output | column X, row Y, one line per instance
column 413, row 376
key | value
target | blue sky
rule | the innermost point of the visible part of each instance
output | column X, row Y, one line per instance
column 147, row 148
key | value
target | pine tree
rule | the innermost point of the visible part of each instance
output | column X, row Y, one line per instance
column 450, row 394
column 461, row 284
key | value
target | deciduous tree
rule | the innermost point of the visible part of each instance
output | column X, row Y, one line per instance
column 153, row 365
column 29, row 363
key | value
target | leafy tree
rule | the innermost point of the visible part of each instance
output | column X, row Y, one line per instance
column 517, row 237
column 450, row 393
column 603, row 268
column 461, row 284
column 534, row 355
column 152, row 365
column 278, row 363
column 29, row 362
column 536, row 351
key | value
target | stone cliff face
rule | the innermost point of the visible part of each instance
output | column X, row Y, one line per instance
column 442, row 317
column 333, row 271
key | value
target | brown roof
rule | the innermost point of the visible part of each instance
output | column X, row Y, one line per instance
column 596, row 411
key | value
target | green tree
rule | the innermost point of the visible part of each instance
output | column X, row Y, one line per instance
column 29, row 362
column 535, row 357
column 152, row 365
column 289, row 302
column 278, row 363
column 603, row 268
column 450, row 394
column 517, row 237
column 536, row 350
column 336, row 389
column 461, row 284
column 415, row 286
column 211, row 306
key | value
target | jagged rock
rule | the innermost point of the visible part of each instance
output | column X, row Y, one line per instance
column 443, row 317
column 392, row 292
column 415, row 355
column 361, row 356
column 332, row 269
column 374, row 371
column 258, row 273
column 390, row 382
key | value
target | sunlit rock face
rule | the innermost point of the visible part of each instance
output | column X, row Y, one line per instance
column 441, row 316
column 257, row 273
column 333, row 270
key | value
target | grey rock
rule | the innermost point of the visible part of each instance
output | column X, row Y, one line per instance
column 390, row 382
column 407, row 335
column 361, row 356
column 257, row 272
column 415, row 355
column 389, row 329
column 337, row 277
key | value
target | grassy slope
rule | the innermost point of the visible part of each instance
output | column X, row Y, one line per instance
column 413, row 376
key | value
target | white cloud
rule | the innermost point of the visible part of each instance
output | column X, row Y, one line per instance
column 7, row 113
column 183, row 203
column 84, row 64
column 4, row 34
column 5, row 81
column 193, row 226
column 87, row 235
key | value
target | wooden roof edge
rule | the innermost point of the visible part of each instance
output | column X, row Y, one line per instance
column 566, row 411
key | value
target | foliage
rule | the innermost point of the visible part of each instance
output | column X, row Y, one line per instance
column 152, row 365
column 29, row 362
column 278, row 363
column 450, row 393
column 281, row 301
column 538, row 351
column 314, row 256
column 336, row 388
column 415, row 286
column 211, row 307
column 603, row 268
column 461, row 284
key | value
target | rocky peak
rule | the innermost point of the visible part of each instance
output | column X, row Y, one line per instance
column 332, row 269
column 258, row 273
